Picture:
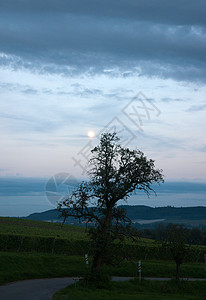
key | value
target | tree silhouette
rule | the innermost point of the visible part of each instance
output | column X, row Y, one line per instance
column 177, row 236
column 115, row 172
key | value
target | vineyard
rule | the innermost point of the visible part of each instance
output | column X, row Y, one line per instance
column 18, row 235
column 33, row 249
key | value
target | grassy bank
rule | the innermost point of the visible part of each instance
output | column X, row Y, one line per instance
column 34, row 249
column 19, row 266
column 22, row 227
column 134, row 290
column 19, row 235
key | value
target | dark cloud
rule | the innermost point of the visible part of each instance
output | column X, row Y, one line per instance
column 119, row 38
column 22, row 123
column 195, row 108
column 203, row 149
column 172, row 100
column 159, row 11
column 39, row 120
column 30, row 91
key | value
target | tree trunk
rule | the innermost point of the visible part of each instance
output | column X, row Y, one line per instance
column 97, row 262
column 98, row 258
column 177, row 271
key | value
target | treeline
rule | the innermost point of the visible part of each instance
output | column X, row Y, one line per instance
column 193, row 236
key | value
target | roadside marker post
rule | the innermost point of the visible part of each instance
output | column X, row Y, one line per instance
column 86, row 259
column 75, row 281
column 139, row 269
column 205, row 261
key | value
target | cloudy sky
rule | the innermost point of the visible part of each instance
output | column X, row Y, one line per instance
column 69, row 67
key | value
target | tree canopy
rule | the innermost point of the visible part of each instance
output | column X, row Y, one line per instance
column 115, row 172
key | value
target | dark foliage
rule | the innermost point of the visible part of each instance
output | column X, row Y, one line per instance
column 115, row 172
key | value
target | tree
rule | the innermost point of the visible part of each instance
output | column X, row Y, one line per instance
column 195, row 236
column 176, row 236
column 115, row 172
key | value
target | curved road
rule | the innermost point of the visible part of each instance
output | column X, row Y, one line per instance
column 37, row 289
column 44, row 289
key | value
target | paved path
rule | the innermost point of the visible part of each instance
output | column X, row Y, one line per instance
column 44, row 289
column 37, row 289
column 157, row 279
column 166, row 279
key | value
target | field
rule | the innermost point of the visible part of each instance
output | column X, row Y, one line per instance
column 17, row 226
column 135, row 290
column 17, row 266
column 34, row 249
column 18, row 235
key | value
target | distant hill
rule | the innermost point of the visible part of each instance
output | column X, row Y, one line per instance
column 52, row 214
column 146, row 212
column 192, row 216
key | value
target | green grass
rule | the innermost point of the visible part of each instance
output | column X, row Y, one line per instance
column 40, row 248
column 18, row 234
column 158, row 268
column 18, row 226
column 19, row 266
column 134, row 290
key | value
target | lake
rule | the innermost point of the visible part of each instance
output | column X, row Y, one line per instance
column 23, row 196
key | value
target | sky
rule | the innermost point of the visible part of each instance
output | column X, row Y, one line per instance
column 70, row 67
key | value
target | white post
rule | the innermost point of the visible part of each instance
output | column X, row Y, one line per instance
column 86, row 259
column 139, row 269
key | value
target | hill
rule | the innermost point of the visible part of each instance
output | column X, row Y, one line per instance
column 143, row 215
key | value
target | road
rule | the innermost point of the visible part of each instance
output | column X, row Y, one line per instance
column 44, row 289
column 37, row 289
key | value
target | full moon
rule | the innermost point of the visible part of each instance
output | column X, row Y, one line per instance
column 91, row 134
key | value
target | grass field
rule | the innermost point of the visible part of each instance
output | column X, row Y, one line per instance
column 40, row 250
column 19, row 235
column 19, row 266
column 135, row 290
column 17, row 226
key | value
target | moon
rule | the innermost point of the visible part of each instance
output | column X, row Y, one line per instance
column 91, row 134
